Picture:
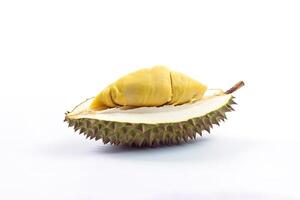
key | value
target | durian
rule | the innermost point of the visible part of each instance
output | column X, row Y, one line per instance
column 151, row 107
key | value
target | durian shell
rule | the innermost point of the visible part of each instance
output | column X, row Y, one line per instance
column 149, row 135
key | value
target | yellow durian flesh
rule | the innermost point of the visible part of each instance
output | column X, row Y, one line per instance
column 155, row 86
column 146, row 87
column 185, row 89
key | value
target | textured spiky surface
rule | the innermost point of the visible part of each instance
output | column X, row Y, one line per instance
column 150, row 135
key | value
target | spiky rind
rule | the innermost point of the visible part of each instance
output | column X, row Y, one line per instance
column 149, row 135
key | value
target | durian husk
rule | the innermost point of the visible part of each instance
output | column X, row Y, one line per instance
column 149, row 134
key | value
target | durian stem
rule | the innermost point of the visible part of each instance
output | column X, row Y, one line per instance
column 235, row 87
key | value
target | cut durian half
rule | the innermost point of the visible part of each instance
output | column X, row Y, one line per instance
column 153, row 126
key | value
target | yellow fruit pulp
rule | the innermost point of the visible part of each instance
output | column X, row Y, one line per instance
column 154, row 86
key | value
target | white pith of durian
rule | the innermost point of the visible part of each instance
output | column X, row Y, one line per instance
column 155, row 115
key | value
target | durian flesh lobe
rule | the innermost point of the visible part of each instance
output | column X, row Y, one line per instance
column 154, row 86
column 175, row 120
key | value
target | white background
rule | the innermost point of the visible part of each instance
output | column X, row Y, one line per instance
column 54, row 54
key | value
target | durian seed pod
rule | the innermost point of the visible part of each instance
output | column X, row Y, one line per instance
column 149, row 134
